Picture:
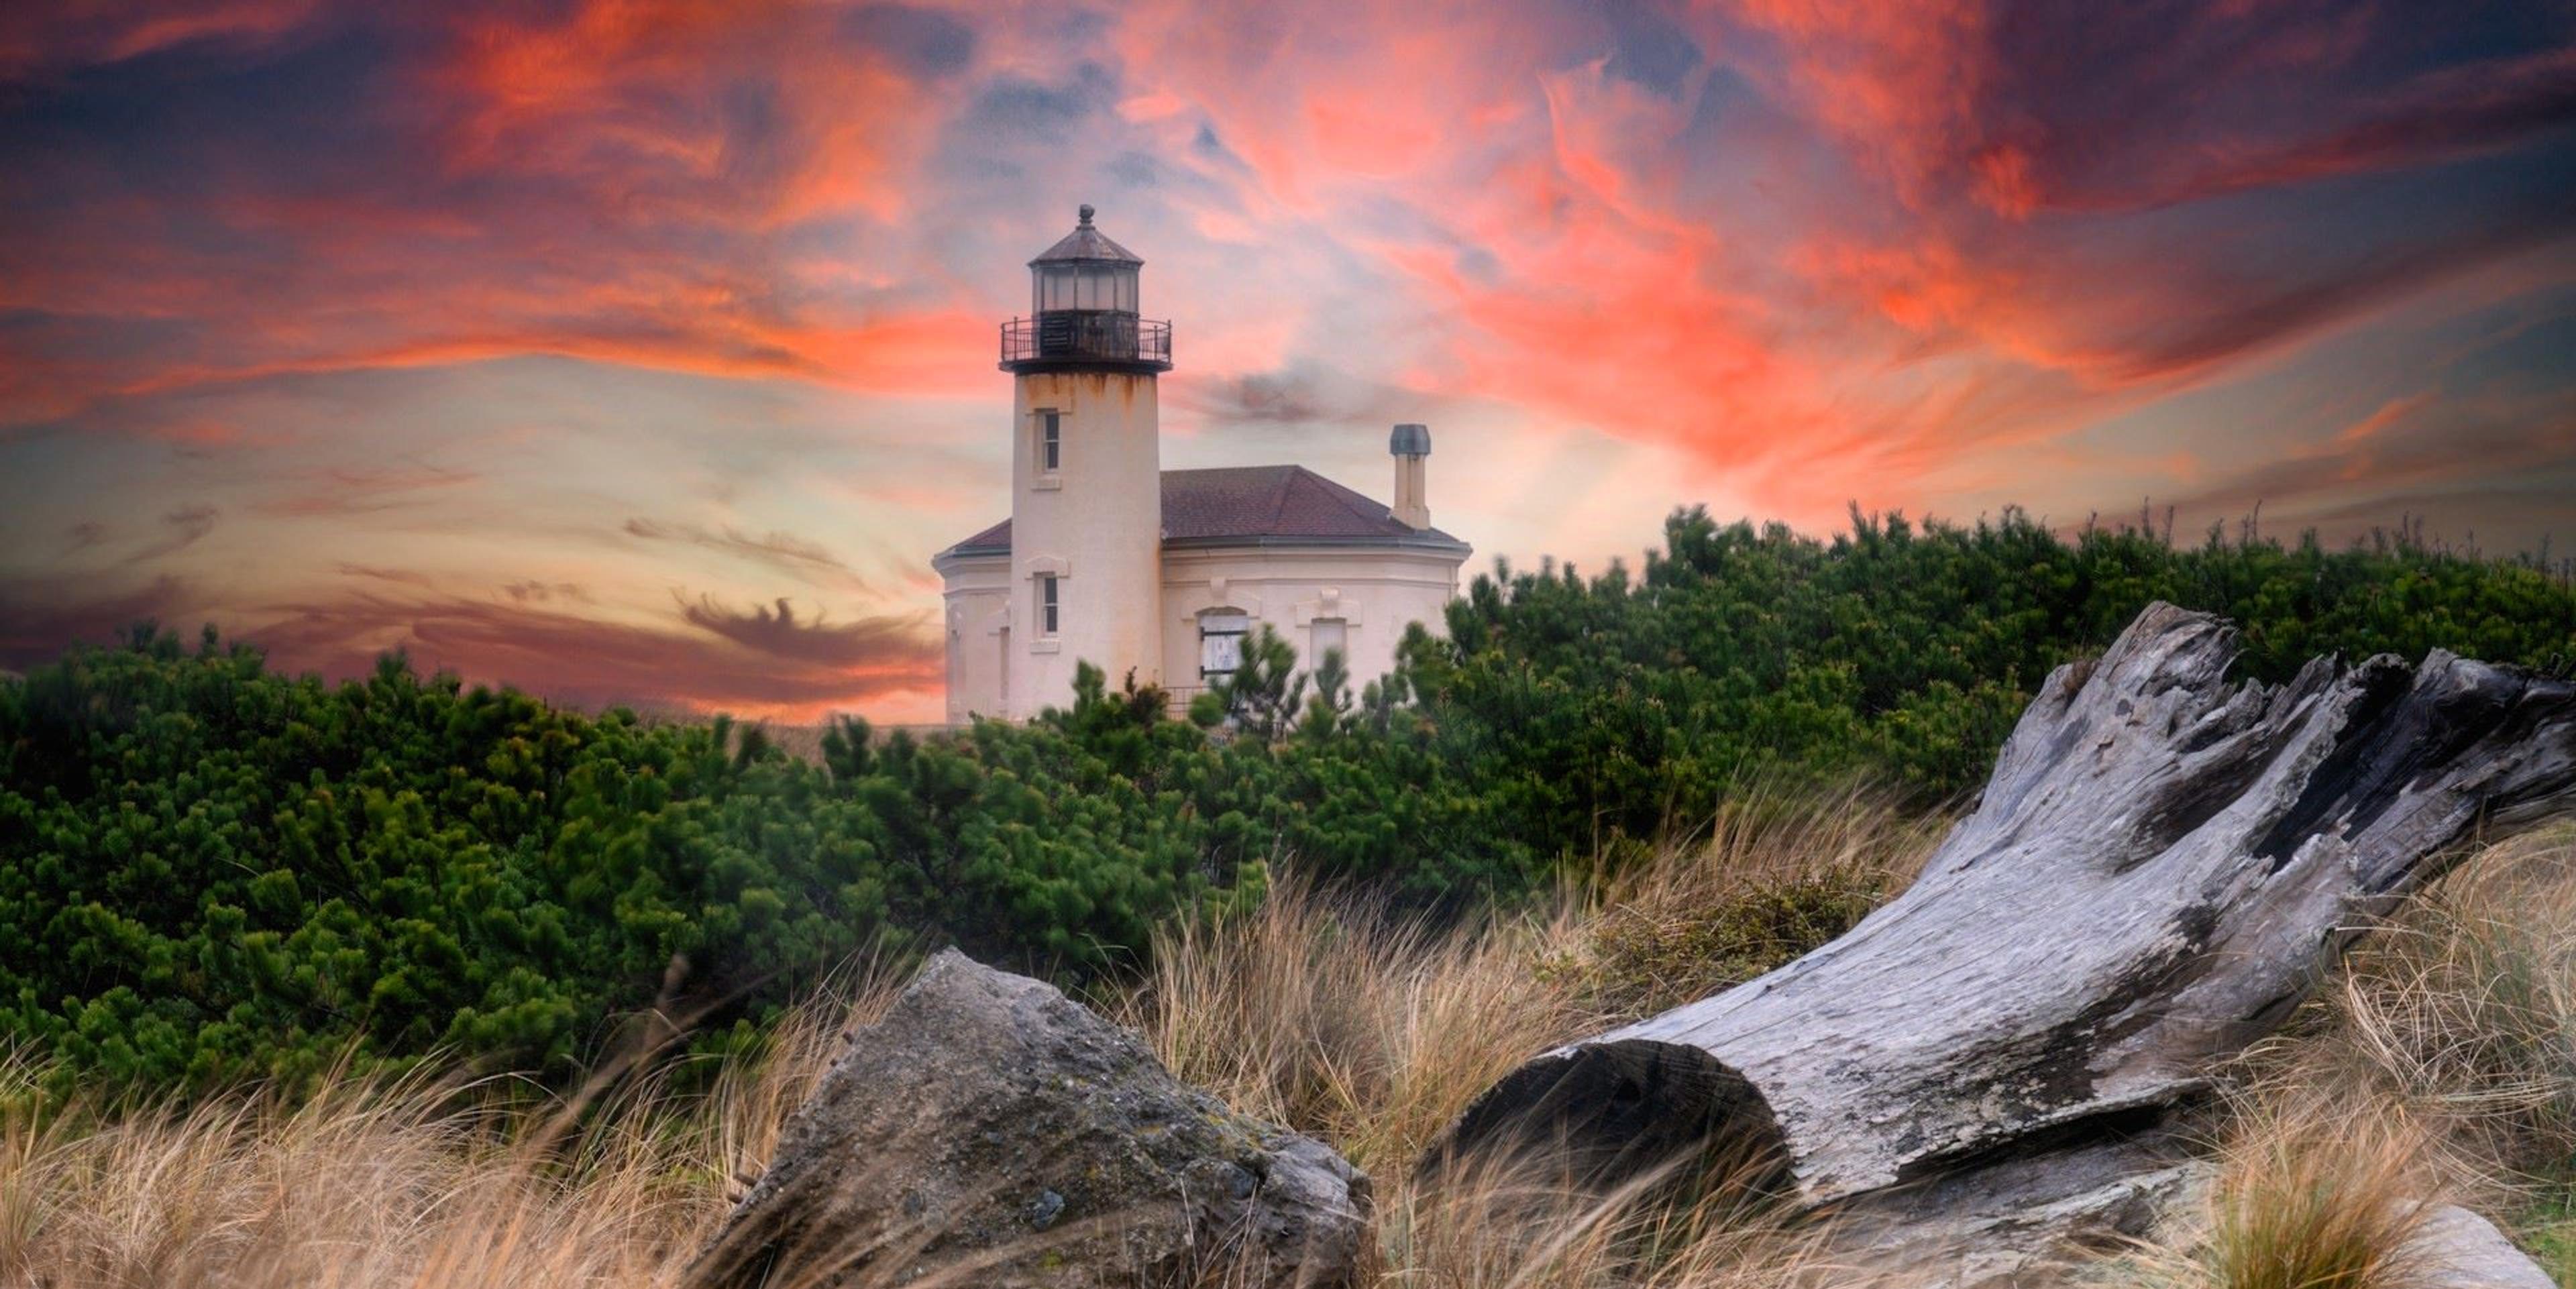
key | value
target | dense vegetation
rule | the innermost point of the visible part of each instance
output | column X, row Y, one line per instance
column 1592, row 709
column 209, row 871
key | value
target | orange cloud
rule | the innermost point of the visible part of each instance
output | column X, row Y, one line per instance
column 615, row 90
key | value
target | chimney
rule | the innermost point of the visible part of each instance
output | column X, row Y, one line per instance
column 1411, row 446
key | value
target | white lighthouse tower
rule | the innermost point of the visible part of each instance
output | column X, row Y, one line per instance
column 1086, row 472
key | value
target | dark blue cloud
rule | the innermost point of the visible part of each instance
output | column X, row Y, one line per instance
column 926, row 43
column 1648, row 49
column 304, row 115
column 1016, row 108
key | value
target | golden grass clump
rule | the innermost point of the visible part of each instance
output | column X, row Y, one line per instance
column 377, row 1184
column 359, row 1186
column 1777, row 874
column 2465, row 1008
column 1316, row 1012
column 2310, row 1193
column 1508, row 1222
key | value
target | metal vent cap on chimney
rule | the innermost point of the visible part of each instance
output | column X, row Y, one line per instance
column 1410, row 440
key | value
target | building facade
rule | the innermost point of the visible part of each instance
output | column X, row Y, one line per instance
column 1107, row 558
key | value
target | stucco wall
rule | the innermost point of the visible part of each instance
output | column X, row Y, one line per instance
column 1374, row 592
column 1096, row 523
column 977, row 614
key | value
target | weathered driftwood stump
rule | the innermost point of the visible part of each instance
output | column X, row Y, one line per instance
column 2158, row 869
column 992, row 1132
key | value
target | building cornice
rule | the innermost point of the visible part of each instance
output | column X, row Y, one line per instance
column 1421, row 544
column 956, row 557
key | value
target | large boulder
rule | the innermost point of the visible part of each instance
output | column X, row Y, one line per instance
column 990, row 1131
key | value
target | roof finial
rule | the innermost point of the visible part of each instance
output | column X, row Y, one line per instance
column 1086, row 214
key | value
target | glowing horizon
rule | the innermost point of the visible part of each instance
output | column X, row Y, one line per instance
column 641, row 352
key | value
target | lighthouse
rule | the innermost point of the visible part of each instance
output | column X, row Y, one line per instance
column 1109, row 559
column 1086, row 469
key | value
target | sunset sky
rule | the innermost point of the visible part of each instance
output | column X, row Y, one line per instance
column 638, row 352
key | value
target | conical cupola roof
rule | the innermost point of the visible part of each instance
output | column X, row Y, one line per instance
column 1090, row 244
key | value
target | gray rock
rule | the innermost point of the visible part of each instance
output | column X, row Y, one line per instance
column 2462, row 1250
column 990, row 1131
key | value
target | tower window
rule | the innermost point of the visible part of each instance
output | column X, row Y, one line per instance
column 1050, row 440
column 1221, row 633
column 1046, row 604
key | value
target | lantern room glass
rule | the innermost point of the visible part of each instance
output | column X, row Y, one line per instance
column 1088, row 287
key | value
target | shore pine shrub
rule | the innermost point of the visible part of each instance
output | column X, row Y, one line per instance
column 210, row 871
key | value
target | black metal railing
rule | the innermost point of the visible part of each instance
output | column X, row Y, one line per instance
column 1087, row 336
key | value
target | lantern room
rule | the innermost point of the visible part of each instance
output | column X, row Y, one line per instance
column 1083, row 298
column 1086, row 272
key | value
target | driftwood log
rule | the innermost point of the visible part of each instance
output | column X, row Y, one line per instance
column 2160, row 866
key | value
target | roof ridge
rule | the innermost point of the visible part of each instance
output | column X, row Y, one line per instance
column 1279, row 496
column 1344, row 494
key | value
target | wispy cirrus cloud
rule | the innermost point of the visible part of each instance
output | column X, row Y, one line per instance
column 784, row 549
column 344, row 491
column 180, row 529
column 594, row 661
column 777, row 551
column 775, row 629
column 532, row 591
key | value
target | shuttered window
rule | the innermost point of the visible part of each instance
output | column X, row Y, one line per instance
column 1221, row 633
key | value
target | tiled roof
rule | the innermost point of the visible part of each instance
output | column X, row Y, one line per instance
column 1258, row 506
column 995, row 538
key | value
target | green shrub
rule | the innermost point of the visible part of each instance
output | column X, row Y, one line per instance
column 210, row 872
column 1587, row 709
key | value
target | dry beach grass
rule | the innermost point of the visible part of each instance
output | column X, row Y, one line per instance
column 2441, row 1063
